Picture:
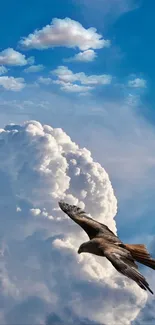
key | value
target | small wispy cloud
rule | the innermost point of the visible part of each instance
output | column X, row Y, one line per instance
column 137, row 83
column 72, row 88
column 66, row 75
column 66, row 86
column 3, row 70
column 106, row 12
column 86, row 56
column 75, row 82
column 45, row 81
column 34, row 68
column 64, row 32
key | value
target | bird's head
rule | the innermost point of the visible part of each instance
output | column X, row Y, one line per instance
column 63, row 206
column 91, row 246
column 84, row 248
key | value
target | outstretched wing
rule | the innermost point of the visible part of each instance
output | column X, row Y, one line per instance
column 124, row 263
column 92, row 227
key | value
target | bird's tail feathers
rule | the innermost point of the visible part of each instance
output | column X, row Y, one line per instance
column 140, row 254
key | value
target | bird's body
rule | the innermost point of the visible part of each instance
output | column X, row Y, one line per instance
column 103, row 242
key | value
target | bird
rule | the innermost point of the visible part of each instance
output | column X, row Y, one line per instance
column 103, row 242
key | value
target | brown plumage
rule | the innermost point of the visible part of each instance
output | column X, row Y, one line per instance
column 104, row 242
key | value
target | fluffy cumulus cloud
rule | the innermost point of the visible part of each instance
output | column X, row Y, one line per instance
column 64, row 32
column 85, row 56
column 42, row 278
column 11, row 83
column 34, row 68
column 137, row 83
column 11, row 57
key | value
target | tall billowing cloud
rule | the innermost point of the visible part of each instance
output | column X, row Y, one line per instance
column 42, row 278
column 64, row 32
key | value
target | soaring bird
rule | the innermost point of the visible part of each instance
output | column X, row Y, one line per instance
column 103, row 242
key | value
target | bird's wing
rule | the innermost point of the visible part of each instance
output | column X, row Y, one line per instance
column 124, row 263
column 91, row 226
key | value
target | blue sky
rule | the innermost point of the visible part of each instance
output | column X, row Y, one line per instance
column 96, row 84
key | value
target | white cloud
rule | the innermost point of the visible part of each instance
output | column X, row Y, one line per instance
column 11, row 83
column 78, row 82
column 73, row 88
column 75, row 82
column 13, row 58
column 66, row 86
column 66, row 75
column 65, row 32
column 147, row 314
column 137, row 83
column 45, row 81
column 3, row 70
column 86, row 56
column 35, row 212
column 34, row 68
column 40, row 267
